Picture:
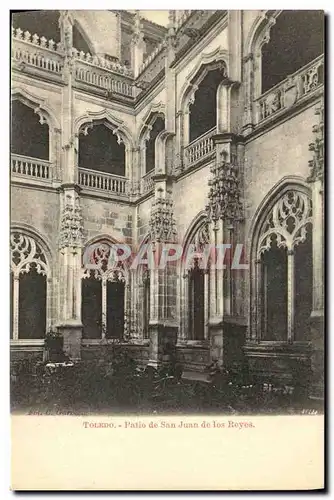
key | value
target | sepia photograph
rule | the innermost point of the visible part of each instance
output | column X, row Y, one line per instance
column 167, row 219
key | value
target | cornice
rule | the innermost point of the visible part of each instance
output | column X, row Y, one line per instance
column 121, row 107
column 210, row 30
column 26, row 79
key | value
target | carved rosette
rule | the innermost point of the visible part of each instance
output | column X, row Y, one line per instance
column 317, row 147
column 162, row 222
column 224, row 194
column 71, row 224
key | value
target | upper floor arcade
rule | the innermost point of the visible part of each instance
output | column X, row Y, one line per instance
column 175, row 119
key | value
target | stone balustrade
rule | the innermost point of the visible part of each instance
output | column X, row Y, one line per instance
column 30, row 167
column 200, row 149
column 36, row 51
column 291, row 90
column 48, row 55
column 103, row 182
column 104, row 78
column 152, row 56
column 148, row 182
column 103, row 63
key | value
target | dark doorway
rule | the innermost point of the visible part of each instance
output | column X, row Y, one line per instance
column 115, row 309
column 32, row 305
column 196, row 303
column 274, row 293
column 91, row 309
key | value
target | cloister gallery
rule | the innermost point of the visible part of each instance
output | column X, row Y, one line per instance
column 206, row 131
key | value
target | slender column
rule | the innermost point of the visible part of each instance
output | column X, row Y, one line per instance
column 16, row 280
column 137, row 45
column 104, row 308
column 248, row 124
column 291, row 295
column 318, row 246
column 206, row 305
column 256, row 334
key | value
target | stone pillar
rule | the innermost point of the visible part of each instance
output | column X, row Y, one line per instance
column 223, row 210
column 317, row 315
column 138, row 45
column 70, row 239
column 163, row 324
column 248, row 94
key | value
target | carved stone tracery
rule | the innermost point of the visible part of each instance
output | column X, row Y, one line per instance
column 162, row 222
column 25, row 252
column 318, row 148
column 286, row 222
column 71, row 224
column 224, row 195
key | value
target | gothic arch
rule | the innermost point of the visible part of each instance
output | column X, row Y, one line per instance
column 215, row 59
column 29, row 248
column 271, row 221
column 40, row 239
column 197, row 234
column 259, row 34
column 39, row 105
column 154, row 111
column 83, row 123
column 101, row 278
column 286, row 183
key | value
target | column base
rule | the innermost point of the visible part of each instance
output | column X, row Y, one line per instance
column 162, row 351
column 72, row 334
column 216, row 335
column 317, row 387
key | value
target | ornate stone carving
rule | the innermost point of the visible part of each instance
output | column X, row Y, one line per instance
column 71, row 224
column 224, row 195
column 286, row 222
column 26, row 252
column 162, row 222
column 317, row 147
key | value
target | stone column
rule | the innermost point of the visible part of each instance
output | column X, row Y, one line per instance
column 138, row 45
column 70, row 240
column 223, row 211
column 317, row 315
column 163, row 324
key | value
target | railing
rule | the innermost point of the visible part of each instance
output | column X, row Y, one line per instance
column 153, row 65
column 35, row 51
column 152, row 56
column 286, row 93
column 103, row 182
column 30, row 167
column 98, row 76
column 200, row 149
column 103, row 63
column 48, row 55
column 148, row 182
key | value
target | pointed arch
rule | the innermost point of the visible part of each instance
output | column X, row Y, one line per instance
column 39, row 105
column 155, row 110
column 218, row 58
column 280, row 227
column 194, row 284
column 84, row 122
column 31, row 280
column 105, row 287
